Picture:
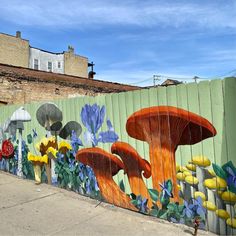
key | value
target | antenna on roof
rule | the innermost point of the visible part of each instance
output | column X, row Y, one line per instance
column 91, row 73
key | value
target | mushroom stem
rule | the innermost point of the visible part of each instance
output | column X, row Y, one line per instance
column 111, row 192
column 212, row 218
column 200, row 174
column 37, row 172
column 134, row 166
column 222, row 226
column 187, row 191
column 230, row 210
column 19, row 168
column 162, row 159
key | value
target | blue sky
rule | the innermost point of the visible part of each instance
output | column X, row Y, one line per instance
column 130, row 41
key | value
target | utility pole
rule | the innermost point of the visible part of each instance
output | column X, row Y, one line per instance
column 195, row 78
column 156, row 78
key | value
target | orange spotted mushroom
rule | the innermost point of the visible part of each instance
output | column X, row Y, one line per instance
column 164, row 128
column 105, row 166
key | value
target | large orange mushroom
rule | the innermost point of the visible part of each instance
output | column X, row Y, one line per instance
column 105, row 166
column 164, row 128
column 134, row 165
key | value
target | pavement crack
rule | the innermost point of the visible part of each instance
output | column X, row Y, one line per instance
column 31, row 200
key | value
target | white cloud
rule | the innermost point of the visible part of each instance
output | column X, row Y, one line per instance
column 97, row 12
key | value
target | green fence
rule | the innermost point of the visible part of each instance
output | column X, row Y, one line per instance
column 165, row 151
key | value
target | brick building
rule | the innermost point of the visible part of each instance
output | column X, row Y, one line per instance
column 20, row 85
column 17, row 51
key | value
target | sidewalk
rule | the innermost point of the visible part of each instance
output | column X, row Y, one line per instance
column 29, row 209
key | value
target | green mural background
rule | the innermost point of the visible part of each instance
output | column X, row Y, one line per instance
column 213, row 100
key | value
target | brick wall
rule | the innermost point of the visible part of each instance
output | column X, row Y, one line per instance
column 22, row 85
column 75, row 65
column 14, row 51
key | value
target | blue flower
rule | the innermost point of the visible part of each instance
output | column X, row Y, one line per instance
column 194, row 208
column 75, row 142
column 142, row 204
column 166, row 189
column 34, row 133
column 93, row 117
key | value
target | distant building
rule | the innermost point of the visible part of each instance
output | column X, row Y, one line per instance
column 17, row 52
column 169, row 82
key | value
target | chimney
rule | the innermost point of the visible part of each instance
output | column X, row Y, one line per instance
column 71, row 49
column 18, row 34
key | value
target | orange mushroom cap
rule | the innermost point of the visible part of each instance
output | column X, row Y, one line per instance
column 130, row 153
column 99, row 159
column 197, row 128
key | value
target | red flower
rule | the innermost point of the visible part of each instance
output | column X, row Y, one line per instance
column 7, row 149
column 0, row 154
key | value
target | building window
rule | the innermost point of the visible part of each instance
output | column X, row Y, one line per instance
column 36, row 64
column 50, row 66
column 59, row 65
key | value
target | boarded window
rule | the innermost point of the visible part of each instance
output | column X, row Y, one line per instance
column 59, row 64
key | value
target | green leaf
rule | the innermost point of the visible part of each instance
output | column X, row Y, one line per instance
column 153, row 194
column 29, row 138
column 219, row 171
column 154, row 212
column 134, row 202
column 169, row 185
column 122, row 186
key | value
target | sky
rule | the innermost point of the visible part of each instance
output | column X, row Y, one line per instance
column 130, row 41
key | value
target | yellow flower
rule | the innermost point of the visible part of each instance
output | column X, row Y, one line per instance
column 32, row 157
column 64, row 144
column 222, row 214
column 53, row 151
column 200, row 194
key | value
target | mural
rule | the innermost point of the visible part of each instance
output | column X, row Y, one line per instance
column 144, row 168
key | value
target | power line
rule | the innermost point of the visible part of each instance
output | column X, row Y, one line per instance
column 159, row 77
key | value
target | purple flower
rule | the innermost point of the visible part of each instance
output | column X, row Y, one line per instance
column 92, row 117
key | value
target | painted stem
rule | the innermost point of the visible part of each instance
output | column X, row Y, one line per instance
column 37, row 173
column 162, row 161
column 212, row 218
column 19, row 168
column 200, row 174
column 111, row 192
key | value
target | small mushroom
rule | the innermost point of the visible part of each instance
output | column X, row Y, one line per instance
column 50, row 116
column 223, row 216
column 70, row 126
column 37, row 165
column 201, row 163
column 164, row 128
column 17, row 118
column 200, row 194
column 230, row 199
column 213, row 186
column 231, row 226
column 192, row 181
column 105, row 166
column 211, row 216
column 134, row 165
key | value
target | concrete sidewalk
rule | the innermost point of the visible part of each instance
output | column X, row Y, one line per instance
column 29, row 209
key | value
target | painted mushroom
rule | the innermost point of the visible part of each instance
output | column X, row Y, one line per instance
column 17, row 118
column 202, row 173
column 105, row 166
column 134, row 165
column 50, row 116
column 70, row 126
column 212, row 223
column 223, row 215
column 164, row 128
column 213, row 186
